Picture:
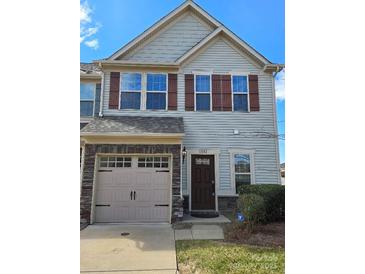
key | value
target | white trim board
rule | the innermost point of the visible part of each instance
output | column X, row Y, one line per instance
column 251, row 153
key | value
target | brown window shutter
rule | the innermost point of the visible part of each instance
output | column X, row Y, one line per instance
column 114, row 90
column 172, row 92
column 189, row 92
column 226, row 93
column 254, row 92
column 217, row 92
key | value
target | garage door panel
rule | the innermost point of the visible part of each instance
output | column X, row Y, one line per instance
column 161, row 195
column 105, row 178
column 123, row 178
column 121, row 195
column 155, row 195
column 152, row 214
column 104, row 196
column 114, row 187
column 103, row 214
column 125, row 213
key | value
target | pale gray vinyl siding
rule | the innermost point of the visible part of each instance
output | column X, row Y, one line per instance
column 172, row 42
column 214, row 130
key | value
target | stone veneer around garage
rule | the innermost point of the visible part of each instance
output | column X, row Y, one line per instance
column 89, row 165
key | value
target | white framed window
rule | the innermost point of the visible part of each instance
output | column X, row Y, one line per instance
column 242, row 168
column 87, row 99
column 153, row 162
column 115, row 161
column 240, row 93
column 156, row 91
column 130, row 91
column 203, row 92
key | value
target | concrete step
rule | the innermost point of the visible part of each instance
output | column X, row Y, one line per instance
column 200, row 232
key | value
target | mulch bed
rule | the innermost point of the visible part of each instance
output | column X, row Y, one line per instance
column 269, row 235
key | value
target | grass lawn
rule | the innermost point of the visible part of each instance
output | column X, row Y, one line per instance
column 218, row 257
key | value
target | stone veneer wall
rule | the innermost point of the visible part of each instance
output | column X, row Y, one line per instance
column 89, row 166
column 226, row 203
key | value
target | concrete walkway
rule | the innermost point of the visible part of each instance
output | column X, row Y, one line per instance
column 200, row 232
column 147, row 249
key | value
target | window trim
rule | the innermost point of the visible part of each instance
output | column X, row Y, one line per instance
column 249, row 152
column 130, row 91
column 115, row 161
column 210, row 92
column 88, row 100
column 242, row 93
column 154, row 91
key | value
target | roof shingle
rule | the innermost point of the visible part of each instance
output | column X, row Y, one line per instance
column 135, row 125
column 89, row 68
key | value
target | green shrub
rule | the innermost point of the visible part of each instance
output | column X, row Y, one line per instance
column 274, row 198
column 253, row 208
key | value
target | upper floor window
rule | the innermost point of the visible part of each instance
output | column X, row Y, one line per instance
column 156, row 91
column 240, row 93
column 202, row 92
column 242, row 169
column 131, row 87
column 87, row 98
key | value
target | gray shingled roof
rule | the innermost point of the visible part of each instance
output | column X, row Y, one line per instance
column 89, row 68
column 135, row 125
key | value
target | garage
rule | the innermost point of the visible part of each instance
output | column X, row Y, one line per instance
column 132, row 188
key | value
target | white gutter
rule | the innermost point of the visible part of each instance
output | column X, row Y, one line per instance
column 101, row 94
column 274, row 68
column 121, row 134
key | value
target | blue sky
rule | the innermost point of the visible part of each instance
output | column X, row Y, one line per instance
column 105, row 26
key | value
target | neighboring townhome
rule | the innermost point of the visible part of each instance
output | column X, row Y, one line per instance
column 186, row 115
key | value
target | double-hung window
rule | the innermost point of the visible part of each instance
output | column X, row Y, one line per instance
column 131, row 88
column 156, row 91
column 87, row 98
column 240, row 93
column 242, row 169
column 202, row 92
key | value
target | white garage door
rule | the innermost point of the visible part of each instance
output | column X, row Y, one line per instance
column 133, row 189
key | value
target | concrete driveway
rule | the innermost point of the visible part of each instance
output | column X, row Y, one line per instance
column 147, row 249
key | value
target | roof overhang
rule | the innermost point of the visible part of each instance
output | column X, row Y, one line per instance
column 128, row 64
column 271, row 68
column 90, row 76
column 132, row 139
column 121, row 134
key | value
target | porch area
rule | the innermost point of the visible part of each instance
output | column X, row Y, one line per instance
column 194, row 228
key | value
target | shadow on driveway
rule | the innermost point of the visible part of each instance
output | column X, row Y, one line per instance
column 146, row 248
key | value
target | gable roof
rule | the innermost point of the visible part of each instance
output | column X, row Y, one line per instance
column 196, row 9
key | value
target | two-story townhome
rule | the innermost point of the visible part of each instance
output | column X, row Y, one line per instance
column 186, row 115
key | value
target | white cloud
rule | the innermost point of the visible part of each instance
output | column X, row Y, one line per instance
column 87, row 32
column 85, row 12
column 280, row 85
column 94, row 44
column 87, row 27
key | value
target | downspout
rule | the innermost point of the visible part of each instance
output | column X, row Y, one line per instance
column 278, row 69
column 101, row 92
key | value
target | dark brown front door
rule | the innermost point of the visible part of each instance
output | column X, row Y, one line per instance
column 202, row 182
